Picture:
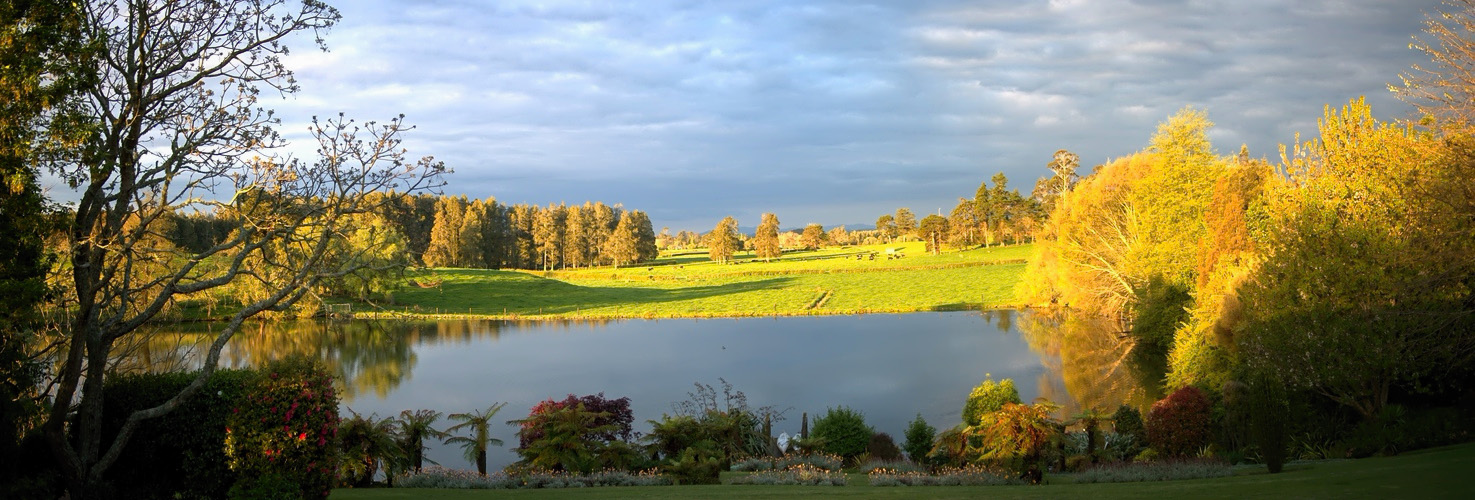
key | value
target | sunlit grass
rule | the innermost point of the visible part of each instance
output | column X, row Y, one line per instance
column 830, row 281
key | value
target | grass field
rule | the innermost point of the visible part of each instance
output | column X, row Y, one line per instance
column 831, row 281
column 1434, row 473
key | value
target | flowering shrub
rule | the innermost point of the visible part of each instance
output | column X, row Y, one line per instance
column 1179, row 425
column 891, row 465
column 285, row 429
column 818, row 460
column 1154, row 471
column 797, row 475
column 965, row 476
column 436, row 476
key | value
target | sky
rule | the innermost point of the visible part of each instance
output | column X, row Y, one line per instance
column 831, row 112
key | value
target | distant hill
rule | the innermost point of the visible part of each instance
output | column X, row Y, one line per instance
column 848, row 227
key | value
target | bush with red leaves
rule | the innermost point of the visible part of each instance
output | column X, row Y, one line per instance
column 1180, row 424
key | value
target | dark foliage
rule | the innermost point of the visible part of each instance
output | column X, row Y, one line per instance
column 1180, row 424
column 615, row 417
column 882, row 447
column 1162, row 306
column 1267, row 412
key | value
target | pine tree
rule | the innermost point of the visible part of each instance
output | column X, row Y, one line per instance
column 645, row 236
column 906, row 222
column 445, row 236
column 472, row 240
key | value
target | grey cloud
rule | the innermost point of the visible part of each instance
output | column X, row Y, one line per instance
column 695, row 110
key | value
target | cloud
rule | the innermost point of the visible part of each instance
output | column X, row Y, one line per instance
column 695, row 110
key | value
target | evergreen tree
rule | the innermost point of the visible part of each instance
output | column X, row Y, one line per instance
column 645, row 236
column 765, row 240
column 472, row 241
column 445, row 236
column 577, row 236
column 524, row 251
column 548, row 231
column 906, row 222
column 934, row 231
column 621, row 247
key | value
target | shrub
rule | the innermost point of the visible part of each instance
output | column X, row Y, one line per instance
column 440, row 477
column 987, row 398
column 286, row 426
column 696, row 465
column 798, row 475
column 1180, row 424
column 1128, row 421
column 844, row 432
column 965, row 476
column 919, row 438
column 819, row 460
column 570, row 436
column 1154, row 471
column 890, row 465
column 882, row 447
column 613, row 418
column 1268, row 408
column 179, row 453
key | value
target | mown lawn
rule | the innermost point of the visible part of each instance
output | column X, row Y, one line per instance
column 1434, row 473
column 832, row 281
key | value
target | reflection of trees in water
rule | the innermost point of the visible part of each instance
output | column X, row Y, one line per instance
column 364, row 355
column 1003, row 319
column 1088, row 362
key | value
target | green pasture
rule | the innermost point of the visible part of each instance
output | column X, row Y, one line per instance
column 831, row 281
column 1433, row 473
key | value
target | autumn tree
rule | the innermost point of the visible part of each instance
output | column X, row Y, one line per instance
column 765, row 239
column 963, row 224
column 723, row 241
column 934, row 231
column 1444, row 88
column 813, row 236
column 838, row 236
column 1370, row 251
column 178, row 127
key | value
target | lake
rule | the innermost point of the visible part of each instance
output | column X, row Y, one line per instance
column 890, row 367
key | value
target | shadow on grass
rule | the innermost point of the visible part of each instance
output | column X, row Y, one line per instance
column 511, row 292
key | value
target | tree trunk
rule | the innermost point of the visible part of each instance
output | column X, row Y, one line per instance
column 481, row 462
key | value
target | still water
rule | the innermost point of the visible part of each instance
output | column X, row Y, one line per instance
column 890, row 367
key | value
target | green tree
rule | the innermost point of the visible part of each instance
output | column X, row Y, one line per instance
column 475, row 445
column 886, row 225
column 414, row 429
column 963, row 224
column 765, row 240
column 843, row 431
column 645, row 236
column 723, row 241
column 987, row 398
column 41, row 46
column 548, row 232
column 919, row 438
column 204, row 100
column 906, row 222
column 366, row 443
column 934, row 231
column 813, row 236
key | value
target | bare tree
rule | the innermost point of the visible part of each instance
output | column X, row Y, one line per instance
column 179, row 128
column 1445, row 88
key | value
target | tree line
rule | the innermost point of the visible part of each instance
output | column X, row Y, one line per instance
column 453, row 231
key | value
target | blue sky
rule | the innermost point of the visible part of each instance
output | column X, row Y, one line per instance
column 831, row 112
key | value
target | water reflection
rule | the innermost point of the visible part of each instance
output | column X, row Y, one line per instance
column 890, row 367
column 1089, row 363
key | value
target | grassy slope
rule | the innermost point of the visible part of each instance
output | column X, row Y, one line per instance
column 832, row 281
column 1436, row 473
